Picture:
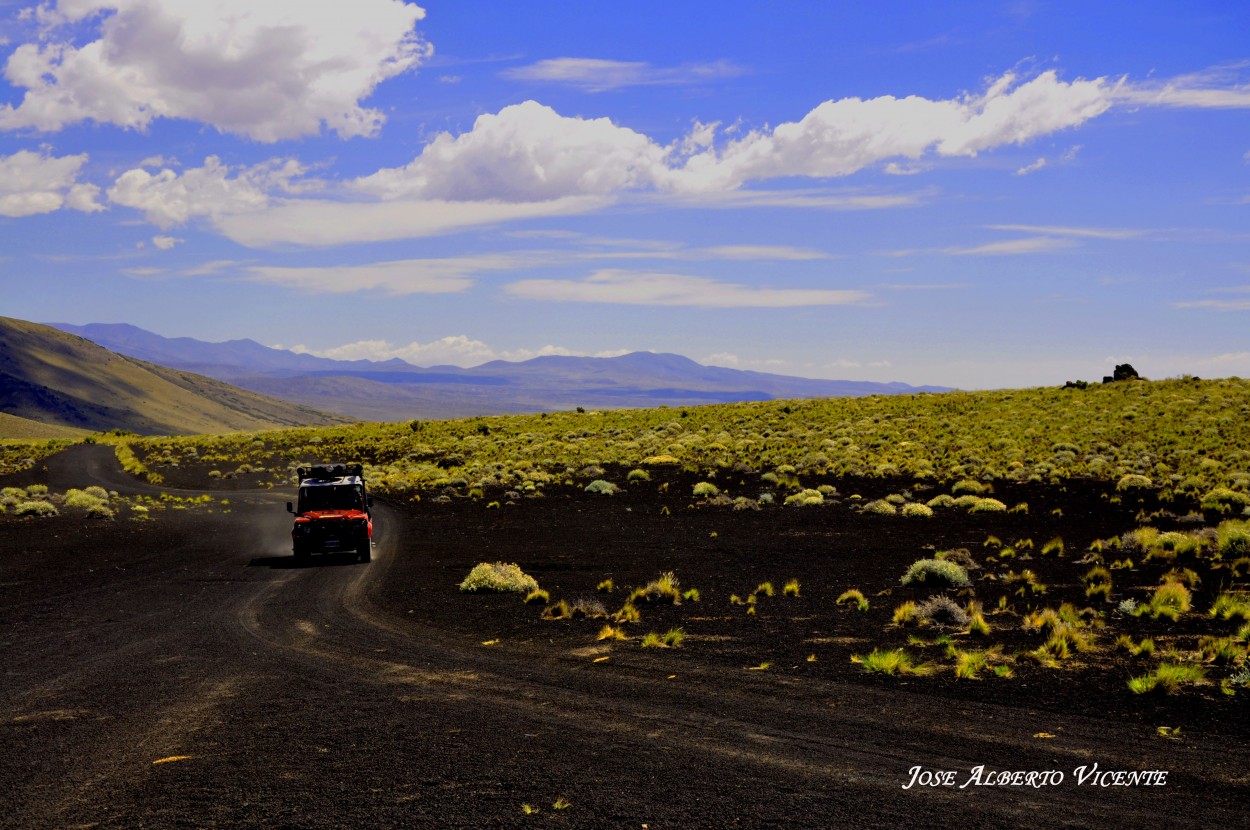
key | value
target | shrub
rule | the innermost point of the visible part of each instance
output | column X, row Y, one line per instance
column 988, row 505
column 97, row 491
column 638, row 474
column 536, row 596
column 706, row 490
column 35, row 508
column 1224, row 500
column 969, row 486
column 917, row 510
column 602, row 488
column 99, row 510
column 805, row 498
column 942, row 611
column 500, row 577
column 1054, row 546
column 791, row 588
column 605, row 587
column 943, row 500
column 1232, row 538
column 560, row 611
column 880, row 507
column 937, row 571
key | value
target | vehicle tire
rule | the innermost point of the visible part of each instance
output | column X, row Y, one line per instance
column 366, row 553
column 302, row 557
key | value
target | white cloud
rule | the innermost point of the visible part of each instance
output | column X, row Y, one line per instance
column 322, row 222
column 1013, row 247
column 1067, row 230
column 648, row 288
column 841, row 137
column 526, row 153
column 455, row 350
column 598, row 75
column 410, row 276
column 33, row 183
column 727, row 359
column 166, row 243
column 269, row 71
column 1214, row 88
column 168, row 198
column 1031, row 168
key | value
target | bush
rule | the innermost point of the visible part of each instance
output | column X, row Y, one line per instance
column 943, row 500
column 638, row 474
column 988, row 505
column 805, row 498
column 500, row 577
column 35, row 508
column 942, row 611
column 880, row 507
column 918, row 510
column 601, row 487
column 706, row 490
column 937, row 571
column 1232, row 537
column 1133, row 481
column 1224, row 500
column 100, row 510
column 975, row 488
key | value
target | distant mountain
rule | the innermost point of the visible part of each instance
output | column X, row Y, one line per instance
column 395, row 390
column 61, row 380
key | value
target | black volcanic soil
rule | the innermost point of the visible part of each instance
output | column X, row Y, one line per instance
column 183, row 672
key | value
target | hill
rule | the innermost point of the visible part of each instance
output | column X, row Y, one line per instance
column 394, row 390
column 11, row 426
column 62, row 380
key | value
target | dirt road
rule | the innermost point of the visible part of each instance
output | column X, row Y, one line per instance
column 183, row 672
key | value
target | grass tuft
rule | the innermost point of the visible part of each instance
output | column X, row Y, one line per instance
column 500, row 577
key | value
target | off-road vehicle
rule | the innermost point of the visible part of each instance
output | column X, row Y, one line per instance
column 334, row 513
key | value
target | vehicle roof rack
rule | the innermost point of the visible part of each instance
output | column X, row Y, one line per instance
column 326, row 472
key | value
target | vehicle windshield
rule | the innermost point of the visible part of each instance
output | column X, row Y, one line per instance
column 332, row 497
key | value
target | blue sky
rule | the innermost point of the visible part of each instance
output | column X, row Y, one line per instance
column 974, row 194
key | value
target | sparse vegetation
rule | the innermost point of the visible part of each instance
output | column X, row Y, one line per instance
column 500, row 577
column 936, row 571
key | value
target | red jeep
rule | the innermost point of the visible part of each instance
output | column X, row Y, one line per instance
column 333, row 515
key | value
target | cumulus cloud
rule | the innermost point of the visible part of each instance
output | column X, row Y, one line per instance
column 269, row 71
column 649, row 288
column 598, row 75
column 530, row 152
column 33, row 183
column 168, row 198
column 526, row 152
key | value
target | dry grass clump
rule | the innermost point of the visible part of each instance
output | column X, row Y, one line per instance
column 917, row 510
column 936, row 571
column 501, row 577
column 854, row 595
column 664, row 588
column 1146, row 648
column 673, row 638
column 791, row 588
column 1168, row 678
column 987, row 505
column 893, row 661
column 1171, row 599
column 1232, row 538
column 977, row 624
column 960, row 556
column 1229, row 606
column 1067, row 633
column 905, row 614
column 35, row 508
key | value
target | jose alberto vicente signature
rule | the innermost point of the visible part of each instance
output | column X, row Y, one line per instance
column 1086, row 775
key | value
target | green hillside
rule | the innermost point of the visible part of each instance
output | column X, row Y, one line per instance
column 61, row 380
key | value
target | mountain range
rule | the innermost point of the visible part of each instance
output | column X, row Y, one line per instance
column 394, row 390
column 53, row 384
